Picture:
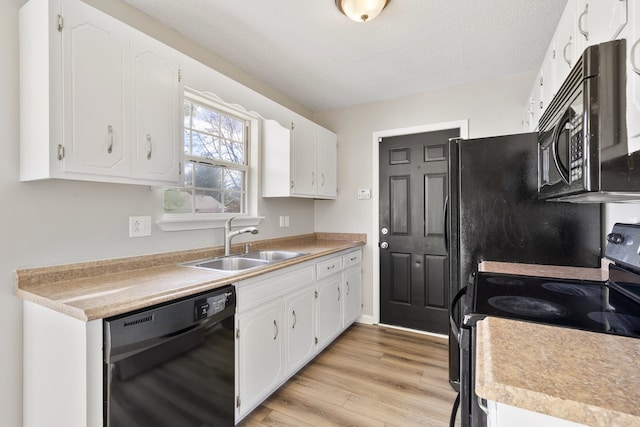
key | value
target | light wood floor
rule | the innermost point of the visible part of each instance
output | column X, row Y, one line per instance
column 370, row 376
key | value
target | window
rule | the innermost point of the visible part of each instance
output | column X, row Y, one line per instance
column 216, row 162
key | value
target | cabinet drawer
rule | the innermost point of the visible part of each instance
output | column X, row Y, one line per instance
column 351, row 258
column 328, row 267
column 257, row 291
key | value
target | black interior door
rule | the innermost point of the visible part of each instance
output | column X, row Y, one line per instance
column 414, row 267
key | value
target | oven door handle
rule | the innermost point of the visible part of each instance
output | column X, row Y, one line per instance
column 455, row 326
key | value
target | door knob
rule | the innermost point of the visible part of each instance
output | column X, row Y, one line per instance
column 384, row 245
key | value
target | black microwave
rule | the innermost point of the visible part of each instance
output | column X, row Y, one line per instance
column 582, row 141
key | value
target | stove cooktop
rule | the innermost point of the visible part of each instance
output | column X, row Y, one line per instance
column 586, row 305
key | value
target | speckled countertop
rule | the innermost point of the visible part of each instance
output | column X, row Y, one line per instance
column 585, row 377
column 94, row 290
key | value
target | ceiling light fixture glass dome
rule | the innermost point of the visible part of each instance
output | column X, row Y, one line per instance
column 361, row 10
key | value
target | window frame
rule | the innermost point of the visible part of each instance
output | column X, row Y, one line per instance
column 195, row 220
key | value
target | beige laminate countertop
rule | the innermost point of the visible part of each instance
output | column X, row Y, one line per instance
column 94, row 290
column 585, row 377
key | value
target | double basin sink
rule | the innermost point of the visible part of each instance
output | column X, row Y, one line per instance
column 242, row 262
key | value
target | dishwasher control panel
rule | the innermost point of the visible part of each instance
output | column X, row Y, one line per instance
column 210, row 306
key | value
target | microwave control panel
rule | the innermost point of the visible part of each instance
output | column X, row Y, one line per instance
column 576, row 148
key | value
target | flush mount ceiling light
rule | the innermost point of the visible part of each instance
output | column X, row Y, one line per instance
column 361, row 10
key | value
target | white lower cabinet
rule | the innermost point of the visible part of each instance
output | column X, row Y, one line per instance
column 329, row 309
column 285, row 318
column 300, row 312
column 501, row 415
column 351, row 294
column 260, row 358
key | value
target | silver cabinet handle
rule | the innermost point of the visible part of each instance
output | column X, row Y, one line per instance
column 634, row 66
column 584, row 32
column 348, row 288
column 331, row 267
column 338, row 293
column 150, row 147
column 384, row 245
column 110, row 147
column 275, row 329
column 564, row 52
column 295, row 319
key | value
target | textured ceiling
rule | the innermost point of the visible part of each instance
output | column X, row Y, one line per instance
column 318, row 57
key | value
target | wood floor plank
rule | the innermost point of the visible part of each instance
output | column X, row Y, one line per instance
column 370, row 376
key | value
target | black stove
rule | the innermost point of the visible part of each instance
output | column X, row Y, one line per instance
column 588, row 305
column 609, row 307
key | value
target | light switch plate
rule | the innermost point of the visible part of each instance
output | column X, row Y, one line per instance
column 364, row 193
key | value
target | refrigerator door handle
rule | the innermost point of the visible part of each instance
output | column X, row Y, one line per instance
column 455, row 326
column 445, row 224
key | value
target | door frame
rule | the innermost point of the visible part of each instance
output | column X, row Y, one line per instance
column 463, row 125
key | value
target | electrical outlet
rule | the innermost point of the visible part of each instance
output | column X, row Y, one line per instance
column 139, row 226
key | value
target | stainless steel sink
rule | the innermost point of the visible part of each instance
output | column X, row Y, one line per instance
column 272, row 256
column 241, row 262
column 230, row 263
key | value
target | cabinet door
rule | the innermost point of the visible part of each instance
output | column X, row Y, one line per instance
column 547, row 79
column 352, row 294
column 157, row 105
column 300, row 317
column 601, row 20
column 260, row 354
column 96, row 87
column 632, row 33
column 327, row 163
column 329, row 309
column 276, row 160
column 567, row 50
column 304, row 158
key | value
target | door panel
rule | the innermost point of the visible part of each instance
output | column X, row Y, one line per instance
column 414, row 184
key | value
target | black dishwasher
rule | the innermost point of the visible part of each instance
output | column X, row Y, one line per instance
column 172, row 364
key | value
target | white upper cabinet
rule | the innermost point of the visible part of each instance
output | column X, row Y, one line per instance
column 600, row 21
column 304, row 143
column 327, row 150
column 107, row 98
column 567, row 49
column 95, row 89
column 299, row 162
column 583, row 23
column 632, row 34
column 157, row 104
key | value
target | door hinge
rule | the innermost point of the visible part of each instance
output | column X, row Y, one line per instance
column 60, row 151
column 179, row 75
column 179, row 168
column 379, row 140
column 293, row 126
column 237, row 332
column 237, row 401
column 316, row 340
column 316, row 294
column 60, row 23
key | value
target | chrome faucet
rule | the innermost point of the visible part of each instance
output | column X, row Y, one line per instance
column 228, row 234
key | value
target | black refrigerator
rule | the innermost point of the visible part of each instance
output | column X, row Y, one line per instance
column 495, row 215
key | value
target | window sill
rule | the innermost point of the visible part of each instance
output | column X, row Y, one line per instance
column 191, row 223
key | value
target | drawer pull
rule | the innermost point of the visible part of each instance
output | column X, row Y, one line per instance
column 295, row 319
column 275, row 328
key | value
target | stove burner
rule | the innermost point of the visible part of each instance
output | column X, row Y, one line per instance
column 509, row 281
column 526, row 306
column 621, row 324
column 572, row 289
